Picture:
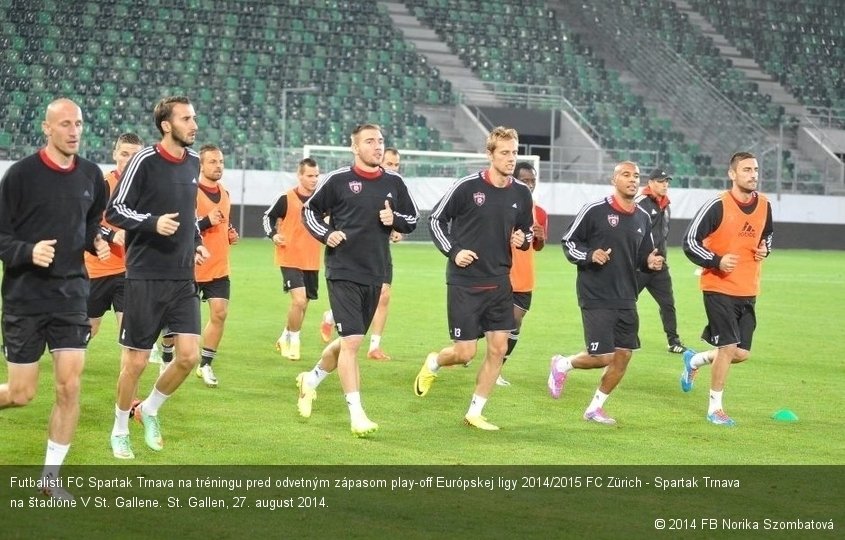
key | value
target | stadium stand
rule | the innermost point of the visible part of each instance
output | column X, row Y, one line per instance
column 532, row 50
column 799, row 43
column 232, row 58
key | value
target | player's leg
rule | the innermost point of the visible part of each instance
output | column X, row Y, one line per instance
column 308, row 381
column 216, row 294
column 521, row 305
column 626, row 339
column 377, row 328
column 24, row 340
column 599, row 339
column 660, row 288
column 296, row 315
column 488, row 373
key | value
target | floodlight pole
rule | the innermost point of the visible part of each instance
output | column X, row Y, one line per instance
column 295, row 90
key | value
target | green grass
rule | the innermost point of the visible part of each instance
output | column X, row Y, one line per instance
column 251, row 418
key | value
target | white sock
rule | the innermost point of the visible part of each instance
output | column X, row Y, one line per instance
column 563, row 364
column 285, row 335
column 293, row 337
column 54, row 458
column 154, row 401
column 598, row 401
column 121, row 422
column 476, row 405
column 715, row 401
column 353, row 401
column 316, row 376
column 432, row 364
column 328, row 317
column 702, row 358
column 375, row 341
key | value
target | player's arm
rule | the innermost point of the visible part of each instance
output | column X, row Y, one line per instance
column 541, row 228
column 13, row 251
column 575, row 240
column 768, row 230
column 121, row 211
column 702, row 225
column 93, row 228
column 405, row 211
column 277, row 210
column 315, row 208
column 438, row 223
column 524, row 224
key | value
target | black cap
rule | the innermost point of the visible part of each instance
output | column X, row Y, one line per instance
column 659, row 173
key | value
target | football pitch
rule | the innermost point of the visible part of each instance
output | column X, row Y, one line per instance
column 251, row 418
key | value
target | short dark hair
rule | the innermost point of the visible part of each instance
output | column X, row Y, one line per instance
column 739, row 156
column 128, row 138
column 523, row 165
column 164, row 108
column 391, row 150
column 209, row 148
column 306, row 162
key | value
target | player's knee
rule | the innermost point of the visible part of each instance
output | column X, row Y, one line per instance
column 187, row 360
column 741, row 355
column 218, row 316
column 18, row 397
column 299, row 302
column 67, row 392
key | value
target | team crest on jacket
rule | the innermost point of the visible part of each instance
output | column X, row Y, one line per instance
column 478, row 197
column 355, row 186
column 613, row 219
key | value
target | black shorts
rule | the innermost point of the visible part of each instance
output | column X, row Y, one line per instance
column 353, row 306
column 25, row 336
column 216, row 288
column 730, row 320
column 294, row 278
column 606, row 330
column 153, row 305
column 471, row 311
column 522, row 300
column 106, row 293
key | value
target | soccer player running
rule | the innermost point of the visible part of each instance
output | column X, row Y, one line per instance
column 297, row 253
column 364, row 203
column 107, row 276
column 390, row 163
column 729, row 238
column 474, row 225
column 608, row 241
column 51, row 204
column 654, row 199
column 155, row 203
column 218, row 234
column 522, row 271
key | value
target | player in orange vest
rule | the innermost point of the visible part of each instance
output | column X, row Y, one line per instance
column 729, row 238
column 522, row 269
column 297, row 253
column 107, row 276
column 218, row 233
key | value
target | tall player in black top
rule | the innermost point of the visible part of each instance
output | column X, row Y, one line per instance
column 474, row 225
column 49, row 205
column 155, row 203
column 363, row 204
column 608, row 241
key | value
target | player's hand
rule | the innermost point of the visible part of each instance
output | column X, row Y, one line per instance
column 601, row 256
column 386, row 215
column 119, row 238
column 202, row 254
column 396, row 236
column 278, row 239
column 465, row 257
column 761, row 252
column 335, row 238
column 517, row 238
column 655, row 261
column 233, row 235
column 728, row 263
column 166, row 224
column 216, row 216
column 102, row 248
column 539, row 231
column 43, row 253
